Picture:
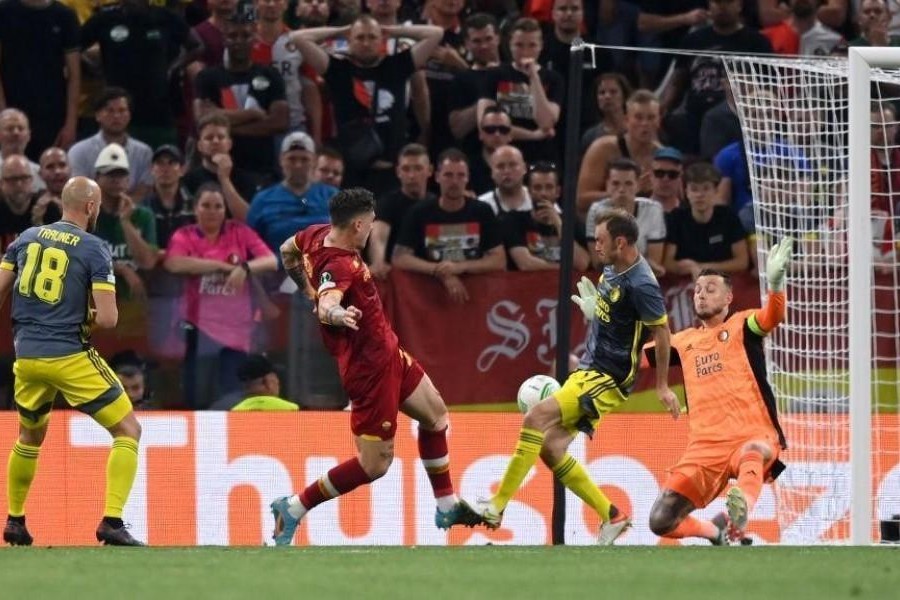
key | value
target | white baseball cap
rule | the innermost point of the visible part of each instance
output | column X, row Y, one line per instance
column 112, row 158
column 298, row 141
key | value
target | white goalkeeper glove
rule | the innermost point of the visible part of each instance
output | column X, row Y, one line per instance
column 586, row 298
column 779, row 259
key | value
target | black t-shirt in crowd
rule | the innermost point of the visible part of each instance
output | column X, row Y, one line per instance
column 352, row 88
column 511, row 89
column 34, row 43
column 519, row 228
column 137, row 48
column 435, row 234
column 11, row 224
column 464, row 92
column 245, row 183
column 440, row 83
column 257, row 87
column 392, row 208
column 703, row 242
column 556, row 56
column 480, row 179
column 706, row 86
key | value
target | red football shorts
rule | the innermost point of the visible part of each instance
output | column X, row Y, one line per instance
column 706, row 467
column 373, row 411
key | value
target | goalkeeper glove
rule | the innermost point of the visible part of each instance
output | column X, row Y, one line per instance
column 586, row 298
column 779, row 259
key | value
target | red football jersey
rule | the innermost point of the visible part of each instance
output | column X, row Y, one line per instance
column 362, row 355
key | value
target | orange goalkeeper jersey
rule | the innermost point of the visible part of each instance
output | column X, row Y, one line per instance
column 728, row 394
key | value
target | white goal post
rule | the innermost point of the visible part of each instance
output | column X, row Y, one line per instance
column 810, row 143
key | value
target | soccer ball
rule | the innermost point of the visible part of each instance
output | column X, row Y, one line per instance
column 534, row 389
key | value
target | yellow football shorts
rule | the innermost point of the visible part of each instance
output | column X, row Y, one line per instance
column 85, row 381
column 585, row 397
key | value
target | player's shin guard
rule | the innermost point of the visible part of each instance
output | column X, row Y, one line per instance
column 436, row 458
column 575, row 477
column 750, row 476
column 340, row 480
column 121, row 467
column 526, row 454
column 691, row 527
column 19, row 474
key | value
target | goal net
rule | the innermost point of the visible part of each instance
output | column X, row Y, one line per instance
column 794, row 115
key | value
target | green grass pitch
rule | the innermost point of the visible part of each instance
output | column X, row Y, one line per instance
column 435, row 573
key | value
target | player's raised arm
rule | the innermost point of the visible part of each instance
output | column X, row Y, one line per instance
column 772, row 313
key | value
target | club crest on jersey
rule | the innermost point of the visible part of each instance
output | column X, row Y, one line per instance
column 326, row 282
column 614, row 294
column 723, row 336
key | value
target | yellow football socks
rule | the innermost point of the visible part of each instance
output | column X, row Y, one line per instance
column 19, row 474
column 574, row 476
column 527, row 450
column 121, row 467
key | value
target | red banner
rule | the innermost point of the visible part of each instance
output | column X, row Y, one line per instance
column 482, row 350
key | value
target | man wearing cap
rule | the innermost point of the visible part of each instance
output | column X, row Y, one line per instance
column 261, row 388
column 666, row 170
column 251, row 96
column 172, row 208
column 113, row 113
column 168, row 200
column 296, row 202
column 129, row 229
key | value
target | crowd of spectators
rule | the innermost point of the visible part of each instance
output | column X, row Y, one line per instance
column 217, row 128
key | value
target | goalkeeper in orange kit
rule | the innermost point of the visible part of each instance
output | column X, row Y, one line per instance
column 734, row 430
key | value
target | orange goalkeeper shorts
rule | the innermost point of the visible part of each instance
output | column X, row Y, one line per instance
column 705, row 467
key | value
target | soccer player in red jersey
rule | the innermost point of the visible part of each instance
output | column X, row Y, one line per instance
column 380, row 378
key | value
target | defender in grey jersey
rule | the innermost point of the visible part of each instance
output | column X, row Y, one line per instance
column 52, row 271
column 626, row 300
column 56, row 265
column 627, row 304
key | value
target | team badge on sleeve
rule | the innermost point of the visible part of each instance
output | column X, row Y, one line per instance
column 326, row 282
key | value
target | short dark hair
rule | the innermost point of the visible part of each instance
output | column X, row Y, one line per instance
column 330, row 152
column 479, row 20
column 494, row 109
column 716, row 273
column 210, row 187
column 347, row 204
column 525, row 25
column 215, row 118
column 702, row 172
column 109, row 94
column 541, row 166
column 619, row 224
column 452, row 155
column 414, row 150
column 625, row 164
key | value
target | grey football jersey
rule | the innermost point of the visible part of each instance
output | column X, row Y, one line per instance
column 57, row 266
column 628, row 302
